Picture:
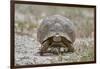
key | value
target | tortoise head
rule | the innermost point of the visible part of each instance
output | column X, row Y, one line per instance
column 57, row 37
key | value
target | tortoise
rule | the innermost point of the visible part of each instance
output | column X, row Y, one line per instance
column 56, row 31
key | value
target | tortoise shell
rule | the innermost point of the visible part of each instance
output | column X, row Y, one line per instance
column 52, row 25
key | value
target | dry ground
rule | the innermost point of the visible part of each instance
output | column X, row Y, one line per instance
column 27, row 48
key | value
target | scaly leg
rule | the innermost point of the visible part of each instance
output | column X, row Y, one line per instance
column 44, row 48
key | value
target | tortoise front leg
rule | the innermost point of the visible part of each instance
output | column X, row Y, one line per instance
column 44, row 48
column 69, row 46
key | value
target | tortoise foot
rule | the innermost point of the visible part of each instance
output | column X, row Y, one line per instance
column 71, row 49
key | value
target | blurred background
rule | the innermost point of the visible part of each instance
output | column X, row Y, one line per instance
column 29, row 17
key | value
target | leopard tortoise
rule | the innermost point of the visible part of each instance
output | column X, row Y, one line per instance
column 56, row 32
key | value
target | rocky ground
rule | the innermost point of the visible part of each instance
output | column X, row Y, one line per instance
column 27, row 51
